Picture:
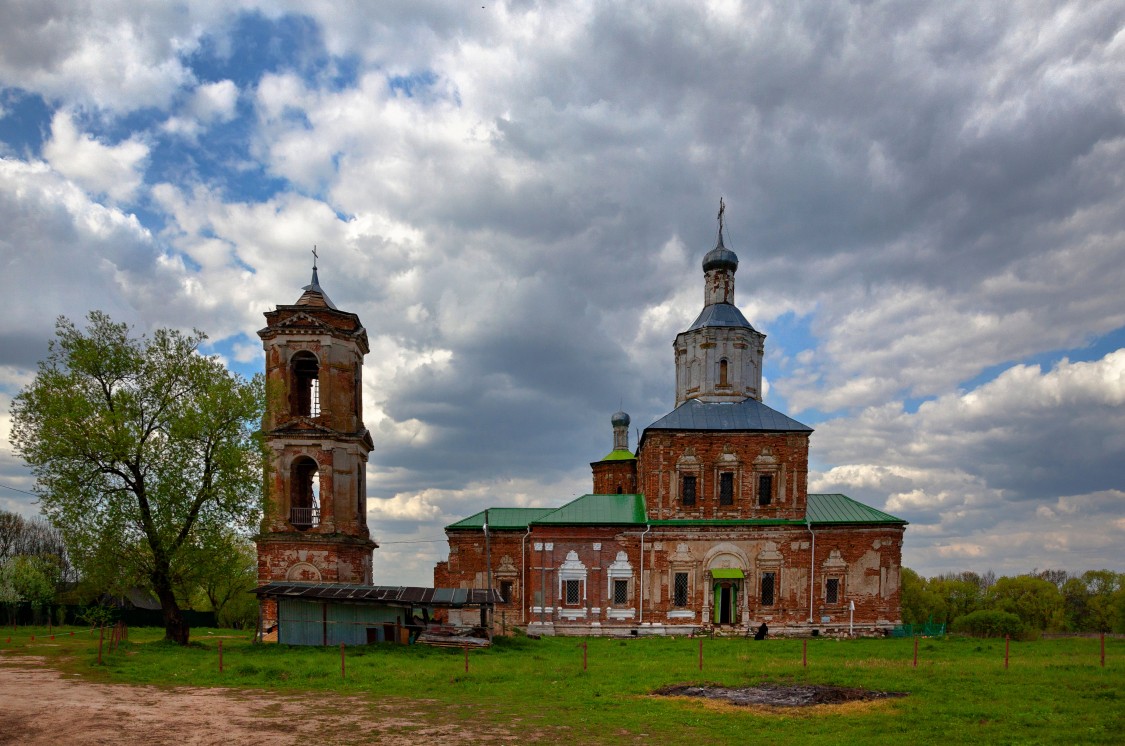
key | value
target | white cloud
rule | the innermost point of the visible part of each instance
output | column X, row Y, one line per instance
column 113, row 170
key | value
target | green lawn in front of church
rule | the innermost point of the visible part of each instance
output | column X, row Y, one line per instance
column 1052, row 691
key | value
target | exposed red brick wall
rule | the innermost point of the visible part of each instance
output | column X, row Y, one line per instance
column 614, row 477
column 785, row 455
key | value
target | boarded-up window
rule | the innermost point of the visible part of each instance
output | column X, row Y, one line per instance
column 679, row 591
column 726, row 488
column 769, row 579
column 765, row 489
column 687, row 489
column 620, row 592
column 572, row 592
column 832, row 591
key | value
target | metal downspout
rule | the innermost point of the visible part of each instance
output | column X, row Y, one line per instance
column 812, row 567
column 523, row 575
column 641, row 616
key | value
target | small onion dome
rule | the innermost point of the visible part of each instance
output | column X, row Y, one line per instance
column 720, row 257
column 619, row 419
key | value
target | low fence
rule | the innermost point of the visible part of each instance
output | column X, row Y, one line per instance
column 24, row 614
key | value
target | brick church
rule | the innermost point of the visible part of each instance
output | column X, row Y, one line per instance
column 708, row 524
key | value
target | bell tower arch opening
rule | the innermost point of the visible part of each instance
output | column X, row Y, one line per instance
column 304, row 494
column 304, row 385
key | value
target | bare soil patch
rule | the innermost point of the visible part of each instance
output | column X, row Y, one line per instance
column 777, row 695
column 42, row 707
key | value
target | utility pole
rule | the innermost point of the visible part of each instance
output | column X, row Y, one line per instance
column 488, row 555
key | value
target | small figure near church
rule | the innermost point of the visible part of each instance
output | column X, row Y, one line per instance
column 762, row 633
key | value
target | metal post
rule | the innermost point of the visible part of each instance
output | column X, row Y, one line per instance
column 488, row 555
column 804, row 653
column 101, row 639
column 220, row 656
column 343, row 672
column 1103, row 649
column 701, row 654
column 851, row 614
column 915, row 651
column 583, row 655
column 1007, row 642
column 466, row 647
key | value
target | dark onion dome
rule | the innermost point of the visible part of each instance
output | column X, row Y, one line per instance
column 619, row 419
column 720, row 257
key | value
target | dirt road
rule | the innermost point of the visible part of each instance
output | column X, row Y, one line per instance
column 39, row 705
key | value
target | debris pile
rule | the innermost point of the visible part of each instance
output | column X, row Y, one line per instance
column 777, row 695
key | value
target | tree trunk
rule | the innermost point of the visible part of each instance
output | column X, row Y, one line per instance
column 175, row 628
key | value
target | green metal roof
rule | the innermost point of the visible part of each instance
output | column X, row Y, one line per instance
column 619, row 454
column 836, row 508
column 726, row 573
column 502, row 519
column 599, row 509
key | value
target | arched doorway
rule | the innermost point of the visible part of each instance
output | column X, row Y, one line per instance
column 727, row 589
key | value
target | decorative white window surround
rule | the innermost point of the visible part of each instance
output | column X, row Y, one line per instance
column 681, row 614
column 619, row 570
column 573, row 569
column 621, row 613
column 572, row 613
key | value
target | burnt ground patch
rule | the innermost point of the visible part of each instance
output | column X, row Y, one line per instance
column 777, row 695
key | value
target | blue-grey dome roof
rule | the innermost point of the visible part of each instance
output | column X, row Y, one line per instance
column 619, row 419
column 720, row 257
column 720, row 314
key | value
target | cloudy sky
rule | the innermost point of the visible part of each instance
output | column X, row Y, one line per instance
column 926, row 198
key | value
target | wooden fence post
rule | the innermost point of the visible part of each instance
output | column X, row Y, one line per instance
column 804, row 653
column 915, row 651
column 466, row 658
column 220, row 656
column 1007, row 642
column 700, row 653
column 583, row 655
column 1103, row 649
column 101, row 639
column 343, row 674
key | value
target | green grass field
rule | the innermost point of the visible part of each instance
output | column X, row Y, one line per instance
column 1054, row 691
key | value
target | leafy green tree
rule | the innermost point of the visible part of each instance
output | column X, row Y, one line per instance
column 1037, row 602
column 919, row 602
column 223, row 582
column 960, row 593
column 143, row 450
column 27, row 579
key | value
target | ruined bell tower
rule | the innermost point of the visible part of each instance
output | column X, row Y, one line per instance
column 314, row 527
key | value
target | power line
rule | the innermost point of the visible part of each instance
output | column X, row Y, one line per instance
column 16, row 489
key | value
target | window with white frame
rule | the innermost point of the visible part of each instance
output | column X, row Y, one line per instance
column 619, row 574
column 572, row 580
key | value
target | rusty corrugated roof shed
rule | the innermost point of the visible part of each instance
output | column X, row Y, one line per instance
column 386, row 594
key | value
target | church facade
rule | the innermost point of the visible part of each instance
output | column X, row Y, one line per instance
column 707, row 525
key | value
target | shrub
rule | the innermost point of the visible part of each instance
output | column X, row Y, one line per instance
column 989, row 623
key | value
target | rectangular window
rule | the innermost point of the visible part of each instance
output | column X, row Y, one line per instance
column 726, row 488
column 679, row 591
column 765, row 489
column 572, row 595
column 506, row 590
column 768, row 581
column 620, row 592
column 687, row 489
column 832, row 591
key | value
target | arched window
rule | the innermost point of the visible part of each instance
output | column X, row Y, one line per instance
column 304, row 385
column 723, row 365
column 304, row 494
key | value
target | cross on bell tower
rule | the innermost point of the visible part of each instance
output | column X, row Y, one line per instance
column 315, row 523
